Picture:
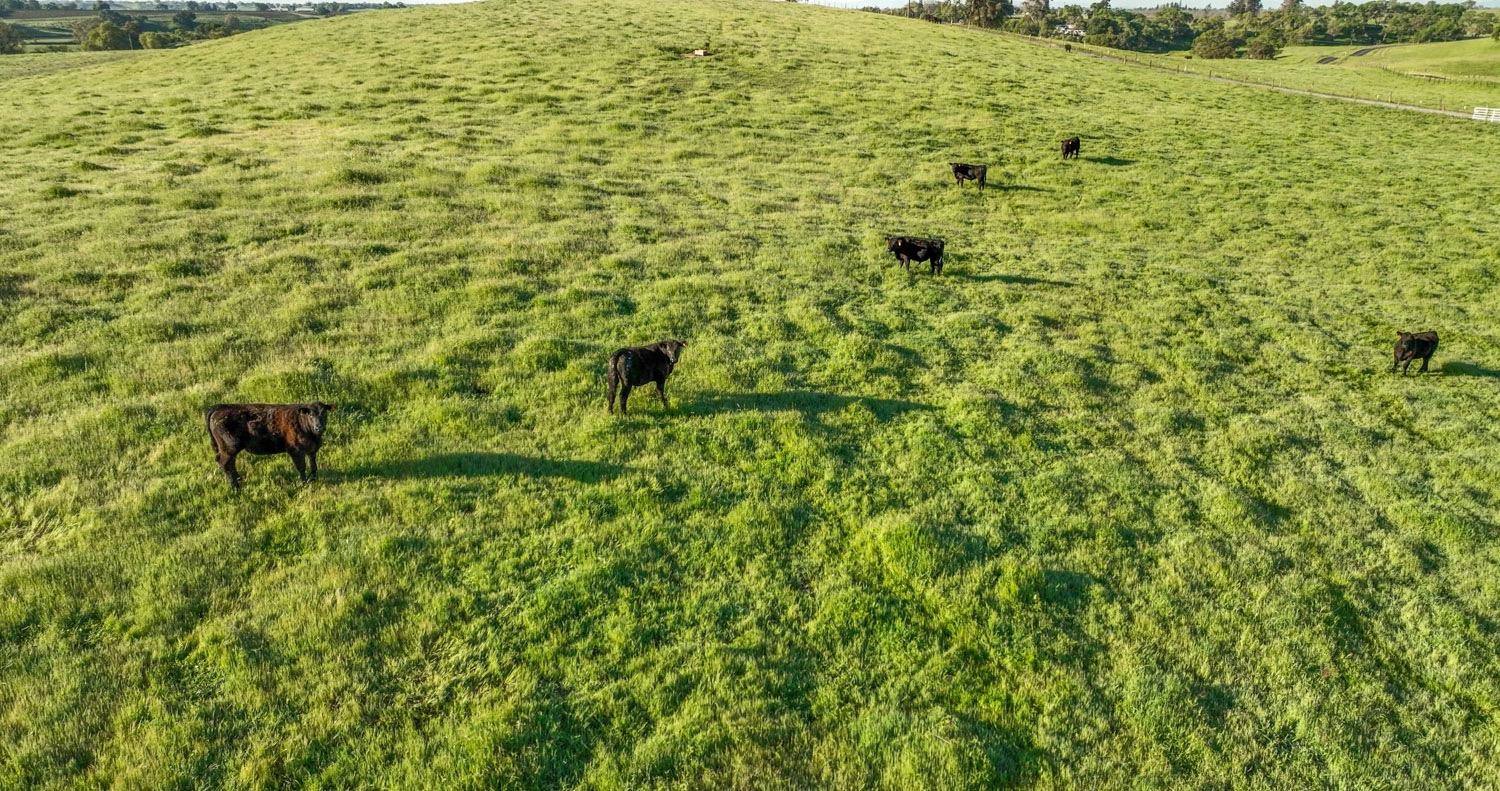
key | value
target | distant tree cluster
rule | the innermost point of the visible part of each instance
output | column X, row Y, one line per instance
column 10, row 39
column 110, row 29
column 1243, row 27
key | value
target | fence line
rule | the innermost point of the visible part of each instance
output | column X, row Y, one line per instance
column 1120, row 55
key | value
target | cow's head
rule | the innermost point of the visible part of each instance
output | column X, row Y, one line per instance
column 891, row 242
column 673, row 349
column 313, row 418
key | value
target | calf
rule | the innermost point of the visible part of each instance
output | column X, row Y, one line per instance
column 1071, row 147
column 963, row 172
column 262, row 429
column 1410, row 346
column 641, row 365
column 915, row 248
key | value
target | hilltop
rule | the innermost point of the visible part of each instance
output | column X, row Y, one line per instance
column 1125, row 497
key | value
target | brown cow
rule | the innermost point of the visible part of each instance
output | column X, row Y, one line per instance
column 1410, row 346
column 1071, row 147
column 641, row 365
column 264, row 429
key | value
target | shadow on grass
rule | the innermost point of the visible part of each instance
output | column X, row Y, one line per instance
column 1114, row 162
column 1017, row 280
column 808, row 403
column 1470, row 369
column 1017, row 188
column 479, row 465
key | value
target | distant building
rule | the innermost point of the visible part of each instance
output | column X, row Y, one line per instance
column 1070, row 30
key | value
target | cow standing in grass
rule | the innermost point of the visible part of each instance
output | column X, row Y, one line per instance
column 641, row 365
column 1412, row 345
column 915, row 248
column 264, row 429
column 963, row 172
column 1071, row 147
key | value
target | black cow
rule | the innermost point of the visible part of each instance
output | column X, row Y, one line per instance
column 640, row 365
column 1410, row 346
column 915, row 248
column 963, row 172
column 1071, row 147
column 264, row 429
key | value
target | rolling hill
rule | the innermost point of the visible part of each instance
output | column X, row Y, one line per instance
column 1126, row 497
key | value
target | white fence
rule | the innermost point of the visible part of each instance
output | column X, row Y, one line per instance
column 1487, row 114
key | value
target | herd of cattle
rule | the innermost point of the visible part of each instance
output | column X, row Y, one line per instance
column 297, row 429
column 920, row 248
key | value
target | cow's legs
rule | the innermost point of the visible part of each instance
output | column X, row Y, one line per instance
column 1395, row 361
column 661, row 390
column 312, row 463
column 625, row 399
column 1406, row 367
column 614, row 387
column 300, row 463
column 226, row 463
column 1423, row 369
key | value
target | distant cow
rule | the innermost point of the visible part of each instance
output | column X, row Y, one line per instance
column 1071, row 147
column 263, row 429
column 641, row 365
column 1410, row 346
column 963, row 172
column 915, row 248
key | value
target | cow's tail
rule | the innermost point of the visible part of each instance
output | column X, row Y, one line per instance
column 208, row 423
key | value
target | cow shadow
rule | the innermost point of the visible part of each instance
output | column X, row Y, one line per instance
column 483, row 465
column 1017, row 188
column 1016, row 280
column 1469, row 369
column 807, row 403
column 1114, row 162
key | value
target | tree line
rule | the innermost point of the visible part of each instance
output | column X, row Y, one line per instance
column 7, row 6
column 1244, row 27
column 110, row 29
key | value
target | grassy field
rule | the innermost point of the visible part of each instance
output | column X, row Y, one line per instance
column 32, row 64
column 1452, row 75
column 1477, row 59
column 1125, row 498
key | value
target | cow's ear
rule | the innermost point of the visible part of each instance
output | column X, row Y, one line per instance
column 305, row 409
column 1400, row 333
column 326, row 407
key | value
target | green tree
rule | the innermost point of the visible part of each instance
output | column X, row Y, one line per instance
column 989, row 13
column 10, row 39
column 106, row 35
column 185, row 20
column 153, row 40
column 1035, row 10
column 1213, row 45
column 1242, row 7
column 1261, row 49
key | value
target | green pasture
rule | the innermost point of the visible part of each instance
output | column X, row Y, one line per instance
column 1452, row 75
column 1127, row 497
